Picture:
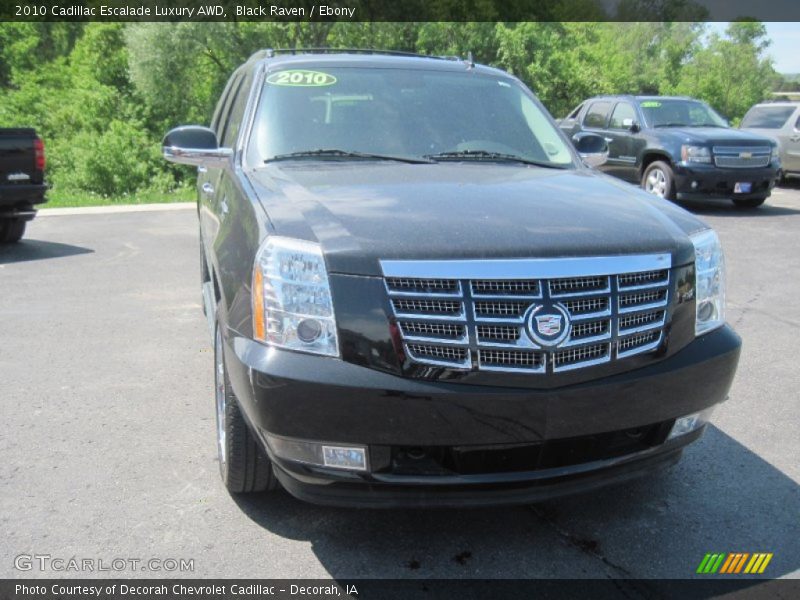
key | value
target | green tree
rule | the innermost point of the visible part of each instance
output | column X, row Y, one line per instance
column 731, row 72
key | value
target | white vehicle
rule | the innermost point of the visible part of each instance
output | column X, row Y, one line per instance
column 780, row 121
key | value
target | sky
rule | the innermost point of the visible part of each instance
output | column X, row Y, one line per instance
column 785, row 44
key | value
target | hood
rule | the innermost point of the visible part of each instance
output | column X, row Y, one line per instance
column 715, row 136
column 362, row 212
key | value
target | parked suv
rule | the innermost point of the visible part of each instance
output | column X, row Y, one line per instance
column 419, row 294
column 780, row 121
column 679, row 148
column 22, row 184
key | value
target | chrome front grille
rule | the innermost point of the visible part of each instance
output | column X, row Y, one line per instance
column 742, row 157
column 476, row 318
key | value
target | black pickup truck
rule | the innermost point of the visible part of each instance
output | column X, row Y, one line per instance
column 22, row 184
column 679, row 148
column 420, row 294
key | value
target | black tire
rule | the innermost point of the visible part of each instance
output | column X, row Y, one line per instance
column 656, row 185
column 243, row 464
column 749, row 202
column 11, row 230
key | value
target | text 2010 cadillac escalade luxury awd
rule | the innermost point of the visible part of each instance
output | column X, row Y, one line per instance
column 420, row 294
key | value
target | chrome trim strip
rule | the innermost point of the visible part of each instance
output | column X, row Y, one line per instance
column 594, row 315
column 526, row 268
column 402, row 294
column 462, row 341
column 604, row 292
column 425, row 317
column 502, row 297
column 641, row 307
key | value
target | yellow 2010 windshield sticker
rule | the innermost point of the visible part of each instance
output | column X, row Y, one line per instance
column 301, row 78
column 650, row 104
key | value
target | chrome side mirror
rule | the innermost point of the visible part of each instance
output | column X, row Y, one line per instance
column 592, row 148
column 194, row 145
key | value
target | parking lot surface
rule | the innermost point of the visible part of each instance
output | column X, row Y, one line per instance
column 108, row 449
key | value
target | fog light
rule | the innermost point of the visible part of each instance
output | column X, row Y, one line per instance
column 308, row 330
column 345, row 458
column 689, row 423
column 352, row 458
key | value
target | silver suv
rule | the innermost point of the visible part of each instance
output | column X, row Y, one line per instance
column 780, row 121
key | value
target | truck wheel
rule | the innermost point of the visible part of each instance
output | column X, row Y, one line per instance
column 749, row 202
column 11, row 230
column 659, row 180
column 243, row 464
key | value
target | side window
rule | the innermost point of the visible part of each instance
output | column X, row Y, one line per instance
column 597, row 115
column 234, row 119
column 574, row 113
column 223, row 101
column 224, row 115
column 623, row 116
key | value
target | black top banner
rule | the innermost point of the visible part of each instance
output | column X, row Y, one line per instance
column 400, row 10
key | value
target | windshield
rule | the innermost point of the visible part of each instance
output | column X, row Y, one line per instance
column 767, row 117
column 680, row 113
column 403, row 113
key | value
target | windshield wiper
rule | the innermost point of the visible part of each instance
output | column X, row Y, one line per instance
column 490, row 156
column 336, row 153
column 673, row 125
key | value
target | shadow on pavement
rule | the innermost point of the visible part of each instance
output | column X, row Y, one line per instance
column 27, row 250
column 721, row 497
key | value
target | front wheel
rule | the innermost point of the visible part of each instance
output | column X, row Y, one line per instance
column 659, row 180
column 243, row 464
column 11, row 230
column 749, row 202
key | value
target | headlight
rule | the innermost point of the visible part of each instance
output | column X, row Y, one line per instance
column 697, row 154
column 292, row 306
column 710, row 287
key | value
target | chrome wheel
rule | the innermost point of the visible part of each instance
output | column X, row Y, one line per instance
column 221, row 398
column 656, row 182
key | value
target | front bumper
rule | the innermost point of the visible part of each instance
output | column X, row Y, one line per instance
column 703, row 181
column 327, row 400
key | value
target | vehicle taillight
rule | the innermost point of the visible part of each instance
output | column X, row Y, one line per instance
column 38, row 148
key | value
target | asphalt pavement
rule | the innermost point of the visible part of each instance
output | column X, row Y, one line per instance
column 107, row 445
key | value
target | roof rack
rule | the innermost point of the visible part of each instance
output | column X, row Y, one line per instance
column 272, row 52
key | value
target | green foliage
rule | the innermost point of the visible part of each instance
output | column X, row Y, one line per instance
column 730, row 72
column 103, row 94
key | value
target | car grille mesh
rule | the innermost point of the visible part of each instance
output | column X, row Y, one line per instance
column 484, row 323
column 505, row 287
column 425, row 329
column 742, row 157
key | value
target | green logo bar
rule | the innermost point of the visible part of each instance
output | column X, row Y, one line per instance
column 711, row 562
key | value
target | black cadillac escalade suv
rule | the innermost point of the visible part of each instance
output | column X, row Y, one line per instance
column 22, row 184
column 420, row 294
column 679, row 148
